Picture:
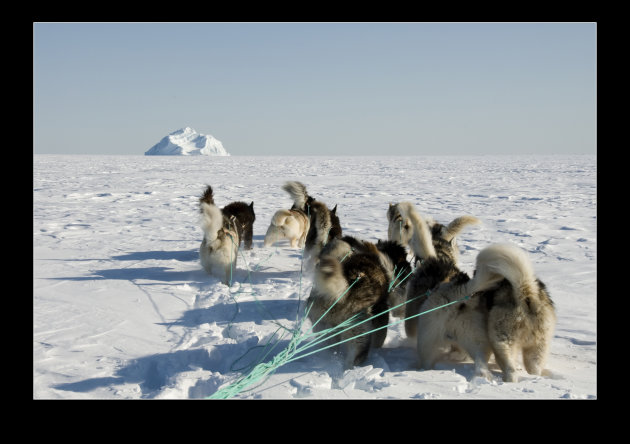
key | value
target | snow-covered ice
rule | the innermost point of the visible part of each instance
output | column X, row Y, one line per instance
column 122, row 308
column 187, row 142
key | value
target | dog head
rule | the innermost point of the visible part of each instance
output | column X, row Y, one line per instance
column 399, row 227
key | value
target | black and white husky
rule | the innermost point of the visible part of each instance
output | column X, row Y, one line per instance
column 219, row 247
column 324, row 224
column 509, row 310
column 354, row 278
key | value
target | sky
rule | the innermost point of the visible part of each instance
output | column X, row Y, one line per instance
column 317, row 88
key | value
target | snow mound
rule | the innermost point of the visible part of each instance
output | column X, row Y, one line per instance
column 187, row 142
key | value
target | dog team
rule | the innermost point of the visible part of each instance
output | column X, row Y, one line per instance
column 502, row 310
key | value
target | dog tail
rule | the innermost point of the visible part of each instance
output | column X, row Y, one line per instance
column 211, row 221
column 329, row 278
column 505, row 261
column 457, row 225
column 421, row 242
column 206, row 197
column 280, row 217
column 297, row 191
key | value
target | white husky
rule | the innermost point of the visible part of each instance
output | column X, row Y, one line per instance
column 219, row 248
column 290, row 224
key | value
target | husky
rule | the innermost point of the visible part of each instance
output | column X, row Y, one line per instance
column 341, row 262
column 509, row 310
column 437, row 255
column 400, row 274
column 400, row 227
column 290, row 224
column 324, row 222
column 244, row 218
column 219, row 247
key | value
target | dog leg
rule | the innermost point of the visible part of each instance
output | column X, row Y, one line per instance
column 302, row 240
column 294, row 242
column 248, row 238
column 355, row 351
column 503, row 354
column 428, row 344
column 359, row 350
column 480, row 352
column 412, row 308
column 378, row 337
column 397, row 297
column 534, row 358
column 271, row 236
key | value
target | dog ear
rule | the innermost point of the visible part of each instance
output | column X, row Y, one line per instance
column 334, row 210
column 251, row 205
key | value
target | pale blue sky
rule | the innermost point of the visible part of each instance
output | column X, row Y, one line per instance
column 317, row 88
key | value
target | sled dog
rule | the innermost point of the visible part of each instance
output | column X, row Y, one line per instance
column 244, row 218
column 324, row 223
column 400, row 227
column 290, row 224
column 437, row 256
column 509, row 311
column 219, row 247
column 373, row 265
column 393, row 257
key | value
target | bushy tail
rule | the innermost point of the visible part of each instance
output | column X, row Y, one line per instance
column 457, row 225
column 280, row 217
column 504, row 261
column 206, row 197
column 211, row 221
column 298, row 193
column 329, row 279
column 421, row 242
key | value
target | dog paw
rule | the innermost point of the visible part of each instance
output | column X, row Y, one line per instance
column 510, row 377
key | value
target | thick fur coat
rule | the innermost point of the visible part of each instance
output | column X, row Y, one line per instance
column 436, row 252
column 509, row 312
column 292, row 225
column 324, row 223
column 219, row 248
column 400, row 227
column 244, row 218
column 342, row 261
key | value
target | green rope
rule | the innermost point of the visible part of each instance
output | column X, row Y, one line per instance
column 347, row 254
column 379, row 328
